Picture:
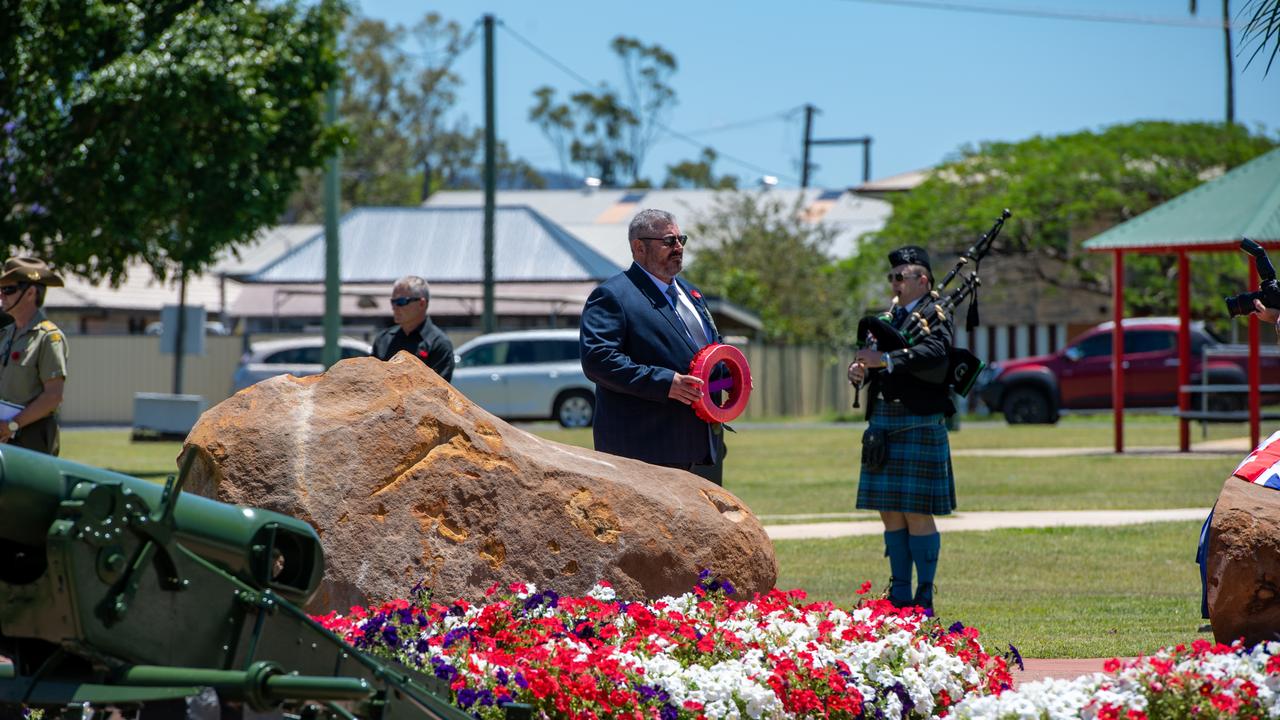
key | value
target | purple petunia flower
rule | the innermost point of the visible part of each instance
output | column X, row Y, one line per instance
column 1015, row 656
column 521, row 682
column 466, row 697
column 391, row 636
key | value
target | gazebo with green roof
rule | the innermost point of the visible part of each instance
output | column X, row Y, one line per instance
column 1213, row 217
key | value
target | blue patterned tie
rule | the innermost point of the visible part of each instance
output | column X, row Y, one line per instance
column 691, row 322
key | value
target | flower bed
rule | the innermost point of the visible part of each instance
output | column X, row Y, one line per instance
column 700, row 655
column 1201, row 681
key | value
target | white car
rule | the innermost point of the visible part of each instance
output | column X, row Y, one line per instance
column 527, row 375
column 293, row 356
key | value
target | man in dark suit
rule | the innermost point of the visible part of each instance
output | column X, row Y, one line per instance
column 907, row 404
column 640, row 330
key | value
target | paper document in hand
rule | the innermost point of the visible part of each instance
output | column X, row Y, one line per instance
column 9, row 411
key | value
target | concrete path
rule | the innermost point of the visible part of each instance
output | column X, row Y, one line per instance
column 990, row 521
column 1207, row 449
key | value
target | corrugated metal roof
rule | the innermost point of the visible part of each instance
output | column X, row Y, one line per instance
column 267, row 245
column 369, row 300
column 1244, row 202
column 593, row 216
column 443, row 244
column 141, row 291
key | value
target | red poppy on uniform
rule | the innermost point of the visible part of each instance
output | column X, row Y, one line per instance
column 696, row 294
column 422, row 354
column 16, row 355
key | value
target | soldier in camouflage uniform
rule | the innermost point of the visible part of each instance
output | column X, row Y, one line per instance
column 33, row 368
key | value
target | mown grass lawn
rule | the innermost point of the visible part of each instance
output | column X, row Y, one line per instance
column 812, row 468
column 1052, row 592
column 1061, row 592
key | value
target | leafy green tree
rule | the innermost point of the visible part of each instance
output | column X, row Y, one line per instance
column 167, row 131
column 646, row 70
column 1063, row 190
column 754, row 250
column 398, row 102
column 607, row 133
column 1263, row 29
column 592, row 129
column 699, row 174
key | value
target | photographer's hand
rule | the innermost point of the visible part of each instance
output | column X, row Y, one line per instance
column 1268, row 314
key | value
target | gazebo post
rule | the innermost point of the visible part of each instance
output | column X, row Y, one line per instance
column 1255, row 366
column 1117, row 350
column 1184, row 350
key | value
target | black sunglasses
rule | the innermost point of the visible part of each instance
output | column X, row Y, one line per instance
column 899, row 277
column 11, row 289
column 671, row 240
column 401, row 302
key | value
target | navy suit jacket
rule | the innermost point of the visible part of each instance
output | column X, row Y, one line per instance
column 632, row 346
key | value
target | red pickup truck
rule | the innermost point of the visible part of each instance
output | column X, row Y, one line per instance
column 1078, row 377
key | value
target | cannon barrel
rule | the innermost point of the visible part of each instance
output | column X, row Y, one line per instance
column 120, row 592
column 266, row 549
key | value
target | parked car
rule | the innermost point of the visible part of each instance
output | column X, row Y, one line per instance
column 1078, row 377
column 527, row 375
column 292, row 356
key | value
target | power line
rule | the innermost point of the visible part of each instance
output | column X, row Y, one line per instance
column 664, row 128
column 1048, row 14
column 547, row 56
column 772, row 117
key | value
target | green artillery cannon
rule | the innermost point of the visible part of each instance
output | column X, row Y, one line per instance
column 118, row 592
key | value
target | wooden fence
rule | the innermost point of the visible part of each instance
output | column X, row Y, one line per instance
column 106, row 370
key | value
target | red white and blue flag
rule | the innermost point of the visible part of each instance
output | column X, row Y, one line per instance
column 1262, row 466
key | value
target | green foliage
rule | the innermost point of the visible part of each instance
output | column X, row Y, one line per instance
column 699, row 174
column 1066, row 189
column 592, row 128
column 1263, row 30
column 166, row 131
column 607, row 133
column 397, row 105
column 754, row 250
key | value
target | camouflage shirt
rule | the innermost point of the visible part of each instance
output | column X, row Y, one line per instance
column 32, row 355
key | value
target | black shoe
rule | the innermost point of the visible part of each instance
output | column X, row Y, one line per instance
column 924, row 596
column 888, row 593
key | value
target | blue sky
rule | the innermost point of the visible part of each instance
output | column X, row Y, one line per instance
column 923, row 82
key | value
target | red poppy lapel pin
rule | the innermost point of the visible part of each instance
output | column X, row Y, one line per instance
column 422, row 354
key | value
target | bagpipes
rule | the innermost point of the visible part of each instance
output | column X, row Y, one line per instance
column 963, row 366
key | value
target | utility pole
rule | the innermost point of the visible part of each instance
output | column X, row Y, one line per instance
column 809, row 110
column 332, row 276
column 810, row 141
column 490, row 173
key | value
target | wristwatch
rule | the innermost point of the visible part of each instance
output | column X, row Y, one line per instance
column 14, row 427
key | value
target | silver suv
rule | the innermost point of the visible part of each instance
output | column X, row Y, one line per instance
column 527, row 375
column 293, row 356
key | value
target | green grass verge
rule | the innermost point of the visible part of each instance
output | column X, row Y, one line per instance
column 1052, row 592
column 113, row 450
column 782, row 470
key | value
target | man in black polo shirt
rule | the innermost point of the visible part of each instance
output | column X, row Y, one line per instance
column 414, row 332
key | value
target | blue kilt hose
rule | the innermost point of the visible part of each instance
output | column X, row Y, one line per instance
column 917, row 475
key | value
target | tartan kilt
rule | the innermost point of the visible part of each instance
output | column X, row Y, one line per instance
column 917, row 476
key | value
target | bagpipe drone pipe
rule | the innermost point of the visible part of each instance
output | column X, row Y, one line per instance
column 963, row 366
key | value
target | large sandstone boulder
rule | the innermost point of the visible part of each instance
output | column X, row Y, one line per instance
column 406, row 480
column 1243, row 565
